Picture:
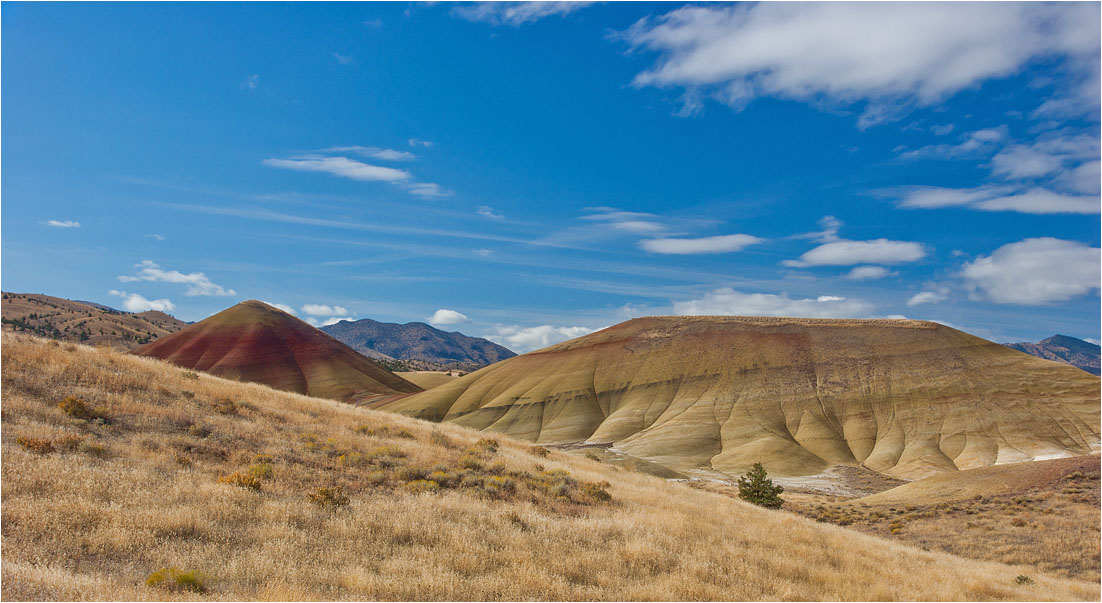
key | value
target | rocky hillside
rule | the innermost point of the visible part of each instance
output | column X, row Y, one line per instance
column 417, row 346
column 84, row 322
column 1062, row 348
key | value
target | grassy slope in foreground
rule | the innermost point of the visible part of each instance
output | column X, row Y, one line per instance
column 903, row 397
column 114, row 502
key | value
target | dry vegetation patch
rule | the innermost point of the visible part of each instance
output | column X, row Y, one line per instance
column 357, row 504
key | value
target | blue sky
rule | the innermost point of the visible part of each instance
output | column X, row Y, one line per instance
column 532, row 172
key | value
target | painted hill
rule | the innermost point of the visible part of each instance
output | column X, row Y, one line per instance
column 85, row 322
column 1068, row 350
column 258, row 494
column 422, row 347
column 906, row 398
column 253, row 341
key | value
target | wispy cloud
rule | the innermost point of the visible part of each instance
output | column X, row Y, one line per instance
column 344, row 60
column 155, row 237
column 996, row 198
column 62, row 223
column 341, row 166
column 866, row 273
column 250, row 82
column 197, row 282
column 980, row 142
column 414, row 142
column 716, row 244
column 429, row 190
column 515, row 13
column 883, row 54
column 488, row 212
column 375, row 152
column 132, row 302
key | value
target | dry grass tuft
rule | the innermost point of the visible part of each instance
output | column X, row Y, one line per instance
column 173, row 578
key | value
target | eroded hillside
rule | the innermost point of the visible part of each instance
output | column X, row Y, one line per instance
column 118, row 469
column 902, row 397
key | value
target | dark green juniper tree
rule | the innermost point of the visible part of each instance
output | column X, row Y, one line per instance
column 756, row 487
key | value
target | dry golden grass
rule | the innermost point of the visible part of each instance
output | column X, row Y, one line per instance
column 136, row 491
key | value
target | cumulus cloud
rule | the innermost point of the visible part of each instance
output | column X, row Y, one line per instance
column 1086, row 178
column 868, row 273
column 132, row 302
column 727, row 301
column 444, row 316
column 1035, row 271
column 848, row 253
column 62, row 223
column 928, row 297
column 717, row 244
column 197, row 282
column 882, row 53
column 488, row 212
column 324, row 310
column 525, row 339
column 340, row 166
column 515, row 13
column 284, row 307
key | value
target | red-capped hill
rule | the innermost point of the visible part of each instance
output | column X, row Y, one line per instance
column 253, row 341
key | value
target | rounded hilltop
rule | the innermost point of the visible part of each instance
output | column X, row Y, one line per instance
column 904, row 397
column 253, row 341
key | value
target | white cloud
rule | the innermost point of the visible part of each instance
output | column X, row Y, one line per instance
column 375, row 152
column 197, row 282
column 488, row 212
column 155, row 237
column 284, row 307
column 976, row 143
column 428, row 190
column 482, row 252
column 515, row 13
column 332, row 321
column 866, row 273
column 728, row 302
column 62, row 223
column 942, row 130
column 250, row 82
column 1086, row 178
column 341, row 166
column 717, row 244
column 1035, row 271
column 998, row 198
column 890, row 54
column 324, row 310
column 525, row 339
column 444, row 316
column 413, row 142
column 343, row 60
column 928, row 297
column 132, row 302
column 639, row 226
column 1020, row 161
column 831, row 226
column 848, row 253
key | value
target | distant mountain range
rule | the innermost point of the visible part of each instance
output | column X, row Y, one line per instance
column 84, row 322
column 416, row 345
column 1063, row 348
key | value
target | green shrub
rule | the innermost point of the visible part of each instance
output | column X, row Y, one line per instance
column 261, row 471
column 1023, row 580
column 756, row 487
column 329, row 497
column 175, row 579
column 412, row 474
column 470, row 461
column 597, row 491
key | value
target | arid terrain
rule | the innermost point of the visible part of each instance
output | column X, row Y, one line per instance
column 130, row 478
column 716, row 394
column 67, row 320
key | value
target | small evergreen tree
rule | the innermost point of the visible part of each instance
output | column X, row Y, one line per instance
column 756, row 487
